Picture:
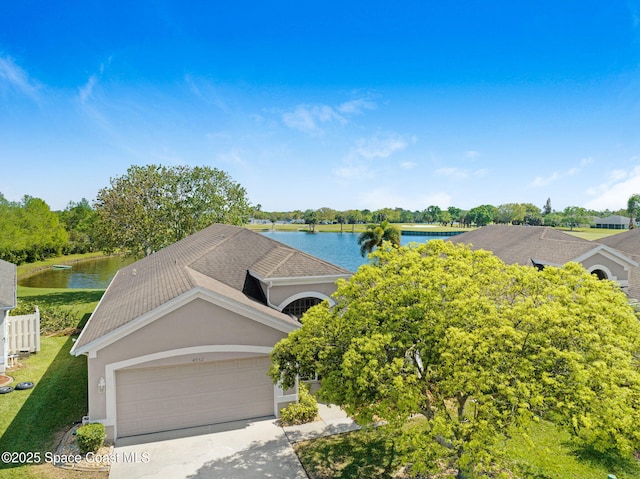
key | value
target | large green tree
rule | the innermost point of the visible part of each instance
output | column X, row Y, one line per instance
column 353, row 217
column 574, row 216
column 376, row 234
column 153, row 206
column 311, row 218
column 475, row 349
column 79, row 219
column 633, row 209
column 29, row 231
column 482, row 215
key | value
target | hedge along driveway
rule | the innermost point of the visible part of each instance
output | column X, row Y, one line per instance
column 32, row 420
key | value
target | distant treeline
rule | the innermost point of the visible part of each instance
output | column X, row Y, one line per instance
column 30, row 231
column 509, row 213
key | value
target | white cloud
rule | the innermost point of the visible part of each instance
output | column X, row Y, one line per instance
column 615, row 191
column 309, row 118
column 540, row 181
column 357, row 163
column 18, row 79
column 408, row 165
column 233, row 156
column 312, row 118
column 379, row 146
column 586, row 162
column 471, row 154
column 354, row 171
column 356, row 106
column 85, row 92
column 460, row 173
column 193, row 87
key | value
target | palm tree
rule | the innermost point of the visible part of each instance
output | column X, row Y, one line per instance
column 375, row 235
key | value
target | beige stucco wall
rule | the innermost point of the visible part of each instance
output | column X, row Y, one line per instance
column 198, row 323
column 598, row 260
column 279, row 294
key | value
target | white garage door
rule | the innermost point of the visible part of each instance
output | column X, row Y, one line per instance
column 174, row 397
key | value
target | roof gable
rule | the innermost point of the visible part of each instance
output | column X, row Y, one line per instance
column 522, row 244
column 611, row 253
column 628, row 242
column 217, row 258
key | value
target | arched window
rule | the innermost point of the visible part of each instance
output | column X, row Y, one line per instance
column 600, row 274
column 300, row 306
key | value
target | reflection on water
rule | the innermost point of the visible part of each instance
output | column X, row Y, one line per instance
column 91, row 274
column 338, row 248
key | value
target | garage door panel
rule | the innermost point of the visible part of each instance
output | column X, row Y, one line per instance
column 165, row 398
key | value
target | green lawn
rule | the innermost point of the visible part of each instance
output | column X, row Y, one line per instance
column 81, row 301
column 34, row 420
column 550, row 454
column 592, row 234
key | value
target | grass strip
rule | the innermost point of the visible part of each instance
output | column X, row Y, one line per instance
column 548, row 453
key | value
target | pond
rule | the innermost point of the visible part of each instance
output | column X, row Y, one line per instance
column 91, row 274
column 338, row 248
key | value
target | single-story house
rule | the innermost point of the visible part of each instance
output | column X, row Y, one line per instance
column 542, row 246
column 7, row 302
column 181, row 338
column 615, row 222
column 628, row 243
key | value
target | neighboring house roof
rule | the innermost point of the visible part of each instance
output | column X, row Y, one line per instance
column 628, row 242
column 217, row 259
column 612, row 220
column 540, row 246
column 7, row 285
column 526, row 244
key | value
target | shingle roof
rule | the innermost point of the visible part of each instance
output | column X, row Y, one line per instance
column 7, row 285
column 628, row 242
column 217, row 258
column 522, row 244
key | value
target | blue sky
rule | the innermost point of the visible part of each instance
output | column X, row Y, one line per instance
column 327, row 104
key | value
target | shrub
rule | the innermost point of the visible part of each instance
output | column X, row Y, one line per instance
column 90, row 437
column 305, row 410
column 53, row 319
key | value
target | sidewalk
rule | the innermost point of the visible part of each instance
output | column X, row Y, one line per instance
column 333, row 420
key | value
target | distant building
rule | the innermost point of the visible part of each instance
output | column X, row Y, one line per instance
column 614, row 222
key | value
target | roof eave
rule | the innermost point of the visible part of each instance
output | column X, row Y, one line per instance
column 294, row 280
column 198, row 292
column 611, row 251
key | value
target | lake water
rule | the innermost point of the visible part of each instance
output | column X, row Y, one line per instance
column 338, row 248
column 92, row 274
column 341, row 249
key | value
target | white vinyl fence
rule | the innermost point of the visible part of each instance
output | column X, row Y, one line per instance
column 23, row 333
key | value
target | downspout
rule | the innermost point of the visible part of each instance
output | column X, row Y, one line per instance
column 269, row 303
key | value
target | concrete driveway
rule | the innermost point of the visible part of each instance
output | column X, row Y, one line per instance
column 238, row 450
